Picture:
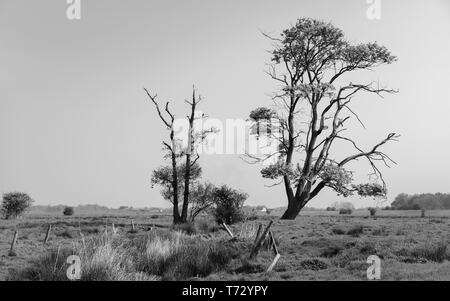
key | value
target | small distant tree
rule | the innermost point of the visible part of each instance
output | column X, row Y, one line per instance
column 372, row 211
column 346, row 205
column 416, row 207
column 15, row 204
column 229, row 203
column 68, row 211
column 345, row 211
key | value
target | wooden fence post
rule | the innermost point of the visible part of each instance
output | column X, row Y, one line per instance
column 47, row 235
column 133, row 228
column 228, row 230
column 257, row 234
column 273, row 243
column 13, row 244
column 260, row 240
column 274, row 262
column 275, row 251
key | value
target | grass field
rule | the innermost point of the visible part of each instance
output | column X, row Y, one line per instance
column 318, row 245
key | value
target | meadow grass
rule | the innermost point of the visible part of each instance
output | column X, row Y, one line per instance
column 159, row 254
column 315, row 247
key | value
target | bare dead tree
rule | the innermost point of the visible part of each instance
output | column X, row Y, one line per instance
column 189, row 151
column 313, row 106
column 180, row 176
column 168, row 121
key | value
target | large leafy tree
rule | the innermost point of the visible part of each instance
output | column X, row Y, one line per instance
column 312, row 62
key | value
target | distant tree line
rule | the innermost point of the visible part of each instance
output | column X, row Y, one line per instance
column 427, row 201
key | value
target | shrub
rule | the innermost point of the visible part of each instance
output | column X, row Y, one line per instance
column 229, row 203
column 15, row 204
column 380, row 231
column 356, row 230
column 345, row 211
column 196, row 260
column 367, row 248
column 338, row 230
column 174, row 256
column 313, row 264
column 433, row 252
column 66, row 234
column 331, row 251
column 68, row 211
column 416, row 207
column 248, row 267
column 436, row 253
column 331, row 209
column 372, row 211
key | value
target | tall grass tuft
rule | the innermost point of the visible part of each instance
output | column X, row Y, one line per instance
column 160, row 254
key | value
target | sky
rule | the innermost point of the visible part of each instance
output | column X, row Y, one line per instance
column 77, row 128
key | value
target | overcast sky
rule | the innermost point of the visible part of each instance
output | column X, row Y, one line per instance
column 76, row 127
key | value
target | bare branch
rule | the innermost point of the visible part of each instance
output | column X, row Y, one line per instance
column 153, row 99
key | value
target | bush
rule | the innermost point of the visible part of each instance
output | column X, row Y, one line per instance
column 433, row 252
column 68, row 211
column 175, row 256
column 356, row 230
column 196, row 260
column 372, row 211
column 15, row 204
column 313, row 264
column 331, row 209
column 338, row 230
column 436, row 253
column 229, row 204
column 416, row 207
column 345, row 211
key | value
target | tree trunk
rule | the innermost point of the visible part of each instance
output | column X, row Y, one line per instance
column 190, row 149
column 295, row 205
column 176, row 213
column 187, row 176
